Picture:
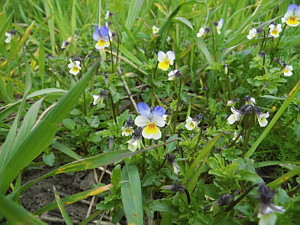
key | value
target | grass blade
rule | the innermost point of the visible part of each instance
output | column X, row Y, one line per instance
column 74, row 198
column 132, row 194
column 43, row 133
column 285, row 104
column 62, row 208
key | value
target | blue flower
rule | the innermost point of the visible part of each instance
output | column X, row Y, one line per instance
column 102, row 37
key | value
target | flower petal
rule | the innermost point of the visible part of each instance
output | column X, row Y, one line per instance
column 171, row 56
column 231, row 119
column 141, row 121
column 159, row 111
column 144, row 109
column 104, row 31
column 161, row 56
column 151, row 131
column 158, row 120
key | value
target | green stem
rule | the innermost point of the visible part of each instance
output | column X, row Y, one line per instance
column 152, row 85
column 285, row 104
column 177, row 106
column 111, row 55
column 262, row 43
column 112, row 106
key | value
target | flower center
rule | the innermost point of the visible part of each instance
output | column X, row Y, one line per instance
column 275, row 32
column 75, row 69
column 293, row 21
column 102, row 43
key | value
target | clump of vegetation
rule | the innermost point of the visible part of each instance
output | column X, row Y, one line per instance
column 191, row 107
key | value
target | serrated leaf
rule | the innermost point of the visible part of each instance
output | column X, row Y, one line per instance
column 116, row 177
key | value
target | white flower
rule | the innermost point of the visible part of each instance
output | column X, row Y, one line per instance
column 262, row 119
column 74, row 67
column 292, row 16
column 201, row 32
column 275, row 30
column 252, row 34
column 155, row 30
column 235, row 136
column 235, row 116
column 190, row 124
column 268, row 216
column 8, row 37
column 250, row 100
column 134, row 144
column 288, row 71
column 107, row 15
column 219, row 25
column 150, row 120
column 173, row 74
column 127, row 131
column 165, row 59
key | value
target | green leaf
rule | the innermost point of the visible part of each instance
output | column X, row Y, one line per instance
column 16, row 214
column 132, row 195
column 65, row 149
column 62, row 208
column 41, row 136
column 185, row 22
column 116, row 177
column 74, row 198
column 49, row 158
column 69, row 123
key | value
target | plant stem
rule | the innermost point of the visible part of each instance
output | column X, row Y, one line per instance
column 177, row 106
column 112, row 106
column 152, row 85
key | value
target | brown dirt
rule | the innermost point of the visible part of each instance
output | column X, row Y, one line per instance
column 42, row 194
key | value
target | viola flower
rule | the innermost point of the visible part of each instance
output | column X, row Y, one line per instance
column 235, row 116
column 155, row 29
column 219, row 25
column 275, row 30
column 135, row 142
column 235, row 136
column 267, row 210
column 173, row 163
column 9, row 37
column 74, row 67
column 192, row 123
column 150, row 120
column 250, row 100
column 102, row 37
column 128, row 128
column 262, row 118
column 165, row 59
column 201, row 32
column 232, row 102
column 100, row 98
column 292, row 16
column 252, row 34
column 288, row 70
column 174, row 74
column 127, row 131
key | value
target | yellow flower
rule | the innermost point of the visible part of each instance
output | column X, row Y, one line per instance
column 165, row 59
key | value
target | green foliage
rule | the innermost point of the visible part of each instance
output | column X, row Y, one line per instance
column 207, row 174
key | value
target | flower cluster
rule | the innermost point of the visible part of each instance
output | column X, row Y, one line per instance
column 249, row 108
